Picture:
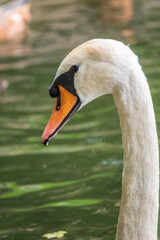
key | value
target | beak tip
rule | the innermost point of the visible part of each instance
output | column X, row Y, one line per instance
column 45, row 142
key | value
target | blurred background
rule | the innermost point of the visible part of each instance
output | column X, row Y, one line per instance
column 74, row 184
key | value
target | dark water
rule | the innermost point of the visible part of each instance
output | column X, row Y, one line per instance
column 74, row 184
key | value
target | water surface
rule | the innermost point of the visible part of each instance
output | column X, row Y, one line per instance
column 74, row 184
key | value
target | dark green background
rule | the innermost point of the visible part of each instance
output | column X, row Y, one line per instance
column 74, row 184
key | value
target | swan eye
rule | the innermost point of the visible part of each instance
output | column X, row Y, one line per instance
column 53, row 91
column 74, row 68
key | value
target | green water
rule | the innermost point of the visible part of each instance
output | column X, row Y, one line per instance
column 74, row 184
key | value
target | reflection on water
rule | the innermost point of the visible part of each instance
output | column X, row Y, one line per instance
column 18, row 190
column 118, row 11
column 74, row 184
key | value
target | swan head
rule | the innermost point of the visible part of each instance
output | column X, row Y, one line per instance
column 93, row 69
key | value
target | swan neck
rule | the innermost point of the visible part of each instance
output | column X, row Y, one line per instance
column 140, row 182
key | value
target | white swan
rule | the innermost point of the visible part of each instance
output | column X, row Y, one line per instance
column 100, row 67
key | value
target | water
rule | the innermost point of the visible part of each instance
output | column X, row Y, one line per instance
column 74, row 184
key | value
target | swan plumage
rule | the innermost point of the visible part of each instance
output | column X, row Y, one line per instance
column 110, row 67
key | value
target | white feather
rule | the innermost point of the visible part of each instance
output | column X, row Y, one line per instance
column 110, row 67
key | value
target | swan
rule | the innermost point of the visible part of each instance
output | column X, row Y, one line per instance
column 105, row 66
column 13, row 18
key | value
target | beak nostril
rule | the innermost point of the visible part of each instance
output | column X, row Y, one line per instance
column 58, row 102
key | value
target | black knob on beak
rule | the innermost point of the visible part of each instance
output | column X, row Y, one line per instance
column 53, row 91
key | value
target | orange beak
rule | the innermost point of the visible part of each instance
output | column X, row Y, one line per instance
column 63, row 110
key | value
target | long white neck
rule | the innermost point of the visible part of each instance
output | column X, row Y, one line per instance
column 108, row 66
column 140, row 184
